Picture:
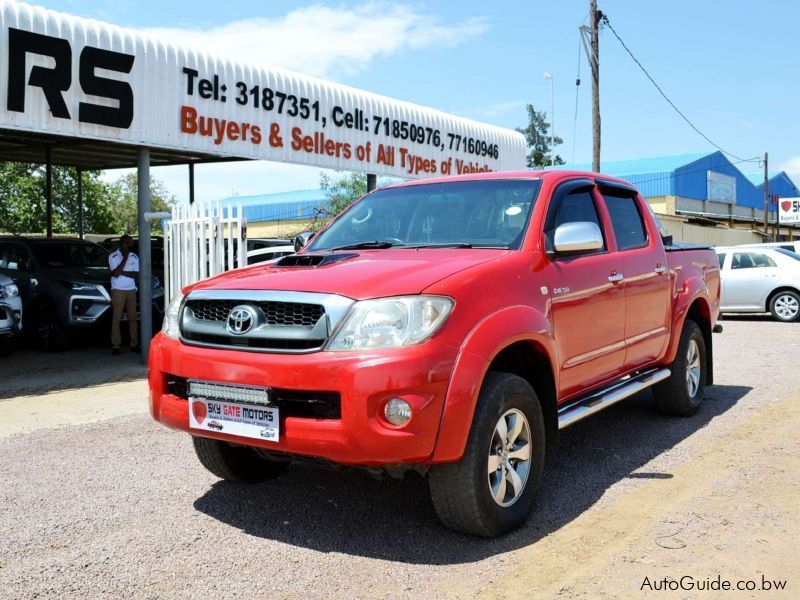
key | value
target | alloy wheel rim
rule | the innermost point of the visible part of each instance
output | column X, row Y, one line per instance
column 787, row 306
column 693, row 368
column 509, row 458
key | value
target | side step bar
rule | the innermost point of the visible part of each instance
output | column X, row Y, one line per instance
column 582, row 408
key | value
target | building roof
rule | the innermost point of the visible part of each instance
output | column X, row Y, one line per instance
column 687, row 176
column 282, row 206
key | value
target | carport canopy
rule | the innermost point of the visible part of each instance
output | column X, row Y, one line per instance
column 90, row 95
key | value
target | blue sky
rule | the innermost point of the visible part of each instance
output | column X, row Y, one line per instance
column 728, row 65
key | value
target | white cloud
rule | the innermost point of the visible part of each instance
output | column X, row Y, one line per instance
column 325, row 41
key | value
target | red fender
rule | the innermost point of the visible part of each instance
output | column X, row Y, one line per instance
column 690, row 290
column 484, row 342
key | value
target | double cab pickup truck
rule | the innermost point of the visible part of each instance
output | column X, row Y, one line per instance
column 449, row 326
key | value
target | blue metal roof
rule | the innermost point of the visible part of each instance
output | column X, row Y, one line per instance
column 686, row 175
column 301, row 204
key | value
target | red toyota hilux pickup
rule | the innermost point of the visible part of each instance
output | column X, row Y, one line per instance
column 450, row 326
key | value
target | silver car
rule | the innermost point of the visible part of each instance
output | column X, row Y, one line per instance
column 757, row 280
column 10, row 314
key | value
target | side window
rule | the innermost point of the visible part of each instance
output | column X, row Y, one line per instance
column 3, row 261
column 751, row 260
column 626, row 221
column 721, row 258
column 16, row 258
column 575, row 207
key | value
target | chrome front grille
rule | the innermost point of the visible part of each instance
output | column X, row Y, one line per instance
column 287, row 322
column 277, row 314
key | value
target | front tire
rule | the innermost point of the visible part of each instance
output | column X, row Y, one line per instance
column 491, row 490
column 785, row 306
column 48, row 334
column 682, row 392
column 235, row 463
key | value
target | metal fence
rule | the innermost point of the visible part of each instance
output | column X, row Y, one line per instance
column 200, row 241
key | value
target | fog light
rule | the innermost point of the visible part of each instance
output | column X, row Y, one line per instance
column 397, row 411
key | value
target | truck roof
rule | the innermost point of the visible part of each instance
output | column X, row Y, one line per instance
column 543, row 174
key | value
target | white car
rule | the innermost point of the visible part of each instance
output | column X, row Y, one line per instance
column 268, row 253
column 10, row 315
column 790, row 246
column 757, row 280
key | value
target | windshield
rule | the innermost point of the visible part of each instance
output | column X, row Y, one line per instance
column 71, row 254
column 477, row 214
column 788, row 253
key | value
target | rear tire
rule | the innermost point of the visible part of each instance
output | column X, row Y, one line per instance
column 479, row 495
column 682, row 392
column 48, row 334
column 235, row 463
column 785, row 306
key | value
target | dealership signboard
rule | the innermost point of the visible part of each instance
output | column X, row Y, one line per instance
column 82, row 78
column 789, row 210
column 721, row 187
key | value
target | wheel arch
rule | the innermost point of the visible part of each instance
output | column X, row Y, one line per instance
column 512, row 338
column 778, row 290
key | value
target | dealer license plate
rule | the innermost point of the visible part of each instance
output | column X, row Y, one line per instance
column 235, row 418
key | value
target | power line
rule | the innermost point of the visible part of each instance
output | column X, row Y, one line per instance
column 670, row 102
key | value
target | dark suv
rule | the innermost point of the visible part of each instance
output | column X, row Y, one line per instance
column 64, row 284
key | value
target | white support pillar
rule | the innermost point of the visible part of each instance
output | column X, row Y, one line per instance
column 145, row 262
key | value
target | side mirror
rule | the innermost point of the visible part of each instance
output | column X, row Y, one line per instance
column 302, row 239
column 577, row 237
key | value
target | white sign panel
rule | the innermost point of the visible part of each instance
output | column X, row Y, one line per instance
column 82, row 78
column 721, row 187
column 789, row 210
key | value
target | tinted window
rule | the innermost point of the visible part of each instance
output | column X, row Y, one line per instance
column 70, row 254
column 751, row 260
column 14, row 257
column 788, row 253
column 626, row 221
column 721, row 258
column 573, row 208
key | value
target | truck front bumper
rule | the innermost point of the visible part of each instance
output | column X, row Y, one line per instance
column 361, row 383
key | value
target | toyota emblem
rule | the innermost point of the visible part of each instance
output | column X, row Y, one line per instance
column 241, row 319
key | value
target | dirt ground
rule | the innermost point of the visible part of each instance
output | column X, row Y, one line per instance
column 99, row 501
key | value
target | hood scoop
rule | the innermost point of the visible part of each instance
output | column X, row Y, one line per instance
column 311, row 260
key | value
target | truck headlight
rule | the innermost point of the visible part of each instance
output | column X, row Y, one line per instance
column 391, row 322
column 171, row 327
column 9, row 291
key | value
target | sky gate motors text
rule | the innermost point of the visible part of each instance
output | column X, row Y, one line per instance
column 309, row 109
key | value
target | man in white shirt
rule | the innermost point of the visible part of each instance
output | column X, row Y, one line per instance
column 124, row 266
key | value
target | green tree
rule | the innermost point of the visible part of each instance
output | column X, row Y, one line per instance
column 537, row 138
column 340, row 192
column 23, row 207
column 123, row 201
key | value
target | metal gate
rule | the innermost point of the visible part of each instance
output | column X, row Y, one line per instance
column 202, row 240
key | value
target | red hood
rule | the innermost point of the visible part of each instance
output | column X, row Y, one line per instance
column 371, row 274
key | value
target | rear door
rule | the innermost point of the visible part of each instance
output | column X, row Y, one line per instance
column 588, row 304
column 749, row 280
column 646, row 278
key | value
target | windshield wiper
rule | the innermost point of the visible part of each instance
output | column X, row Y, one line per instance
column 364, row 246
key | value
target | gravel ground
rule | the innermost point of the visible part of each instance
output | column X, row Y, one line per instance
column 121, row 508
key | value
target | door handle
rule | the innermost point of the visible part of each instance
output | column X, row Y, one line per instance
column 616, row 277
column 660, row 269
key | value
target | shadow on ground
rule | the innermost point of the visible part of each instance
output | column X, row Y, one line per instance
column 29, row 372
column 350, row 512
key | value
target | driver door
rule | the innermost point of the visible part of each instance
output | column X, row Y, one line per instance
column 587, row 299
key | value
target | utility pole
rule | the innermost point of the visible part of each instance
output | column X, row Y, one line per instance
column 552, row 120
column 766, row 196
column 594, row 62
